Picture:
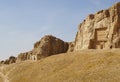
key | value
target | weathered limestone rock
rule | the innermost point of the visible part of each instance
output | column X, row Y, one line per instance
column 100, row 30
column 71, row 46
column 47, row 46
column 23, row 56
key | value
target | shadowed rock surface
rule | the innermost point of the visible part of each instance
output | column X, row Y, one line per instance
column 11, row 60
column 71, row 46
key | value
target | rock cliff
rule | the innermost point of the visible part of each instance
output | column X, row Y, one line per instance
column 47, row 46
column 100, row 30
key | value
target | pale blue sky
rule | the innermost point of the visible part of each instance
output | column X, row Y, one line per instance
column 23, row 22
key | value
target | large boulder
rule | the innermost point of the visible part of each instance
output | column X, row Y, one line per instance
column 100, row 30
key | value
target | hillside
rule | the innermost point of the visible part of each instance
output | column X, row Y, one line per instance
column 81, row 66
column 98, row 31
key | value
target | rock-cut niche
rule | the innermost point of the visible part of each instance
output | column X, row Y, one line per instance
column 99, row 40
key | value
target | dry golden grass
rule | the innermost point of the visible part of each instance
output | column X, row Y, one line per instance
column 82, row 66
column 1, row 80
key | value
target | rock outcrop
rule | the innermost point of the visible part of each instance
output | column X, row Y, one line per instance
column 23, row 56
column 47, row 46
column 11, row 60
column 71, row 46
column 100, row 30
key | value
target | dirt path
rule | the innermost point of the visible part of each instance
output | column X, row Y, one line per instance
column 4, row 76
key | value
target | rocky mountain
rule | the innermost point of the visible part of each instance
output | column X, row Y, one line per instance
column 100, row 30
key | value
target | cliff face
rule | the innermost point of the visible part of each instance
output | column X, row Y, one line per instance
column 47, row 46
column 100, row 30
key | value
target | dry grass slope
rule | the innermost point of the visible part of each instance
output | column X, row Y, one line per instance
column 82, row 66
column 1, row 80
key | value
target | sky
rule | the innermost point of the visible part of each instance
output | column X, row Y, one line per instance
column 23, row 22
